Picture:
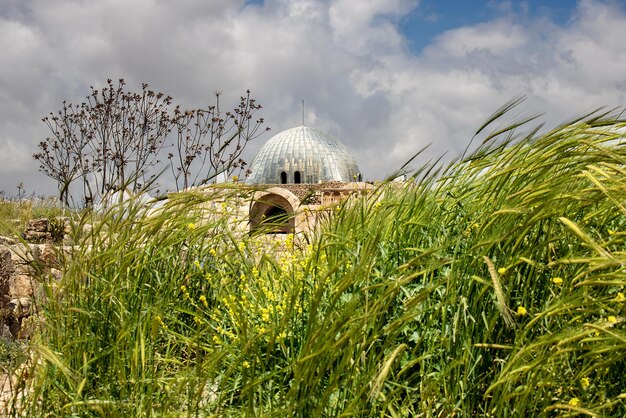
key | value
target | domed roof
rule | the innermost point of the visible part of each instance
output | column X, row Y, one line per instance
column 302, row 155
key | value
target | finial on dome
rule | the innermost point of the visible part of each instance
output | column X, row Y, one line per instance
column 302, row 112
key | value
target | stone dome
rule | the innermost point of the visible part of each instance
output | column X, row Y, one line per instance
column 302, row 155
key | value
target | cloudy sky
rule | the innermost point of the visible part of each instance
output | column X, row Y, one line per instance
column 387, row 77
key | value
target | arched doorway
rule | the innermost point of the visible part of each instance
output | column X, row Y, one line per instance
column 283, row 177
column 272, row 213
column 297, row 177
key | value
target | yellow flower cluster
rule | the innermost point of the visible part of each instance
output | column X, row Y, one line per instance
column 159, row 321
column 585, row 382
column 557, row 281
column 259, row 297
column 183, row 289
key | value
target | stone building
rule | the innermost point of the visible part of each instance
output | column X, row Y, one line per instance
column 303, row 155
column 300, row 174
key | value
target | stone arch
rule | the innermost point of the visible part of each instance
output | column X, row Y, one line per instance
column 273, row 211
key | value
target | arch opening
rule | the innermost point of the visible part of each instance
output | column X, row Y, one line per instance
column 272, row 214
column 283, row 177
column 297, row 177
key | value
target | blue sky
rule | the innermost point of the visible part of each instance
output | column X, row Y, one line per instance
column 387, row 77
column 431, row 17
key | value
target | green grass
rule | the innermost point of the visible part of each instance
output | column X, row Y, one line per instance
column 15, row 213
column 493, row 287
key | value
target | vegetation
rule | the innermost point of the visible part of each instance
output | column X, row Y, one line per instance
column 493, row 287
column 16, row 212
column 118, row 139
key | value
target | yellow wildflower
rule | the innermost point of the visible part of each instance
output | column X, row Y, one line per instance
column 620, row 297
column 521, row 311
column 212, row 252
column 557, row 281
column 502, row 270
column 265, row 315
column 574, row 402
column 235, row 179
column 612, row 319
column 160, row 321
column 246, row 365
column 585, row 382
column 191, row 226
column 196, row 263
column 204, row 302
column 183, row 288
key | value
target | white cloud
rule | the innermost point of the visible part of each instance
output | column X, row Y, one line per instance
column 346, row 58
column 495, row 38
column 367, row 27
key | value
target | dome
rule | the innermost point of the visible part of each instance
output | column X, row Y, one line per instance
column 302, row 155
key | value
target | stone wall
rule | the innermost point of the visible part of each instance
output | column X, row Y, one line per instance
column 21, row 266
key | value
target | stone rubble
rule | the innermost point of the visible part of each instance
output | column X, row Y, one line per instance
column 21, row 263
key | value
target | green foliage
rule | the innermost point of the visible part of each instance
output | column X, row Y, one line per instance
column 12, row 354
column 494, row 287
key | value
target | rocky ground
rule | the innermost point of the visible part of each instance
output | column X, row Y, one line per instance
column 22, row 265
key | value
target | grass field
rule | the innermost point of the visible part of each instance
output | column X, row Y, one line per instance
column 491, row 287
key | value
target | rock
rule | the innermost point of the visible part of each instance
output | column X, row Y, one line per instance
column 5, row 332
column 38, row 225
column 7, row 240
column 18, row 310
column 6, row 270
column 48, row 256
column 47, row 230
column 21, row 285
column 40, row 230
column 20, row 307
column 21, row 266
column 6, row 262
column 55, row 274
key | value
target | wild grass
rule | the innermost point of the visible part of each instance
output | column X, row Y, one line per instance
column 492, row 287
column 15, row 213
